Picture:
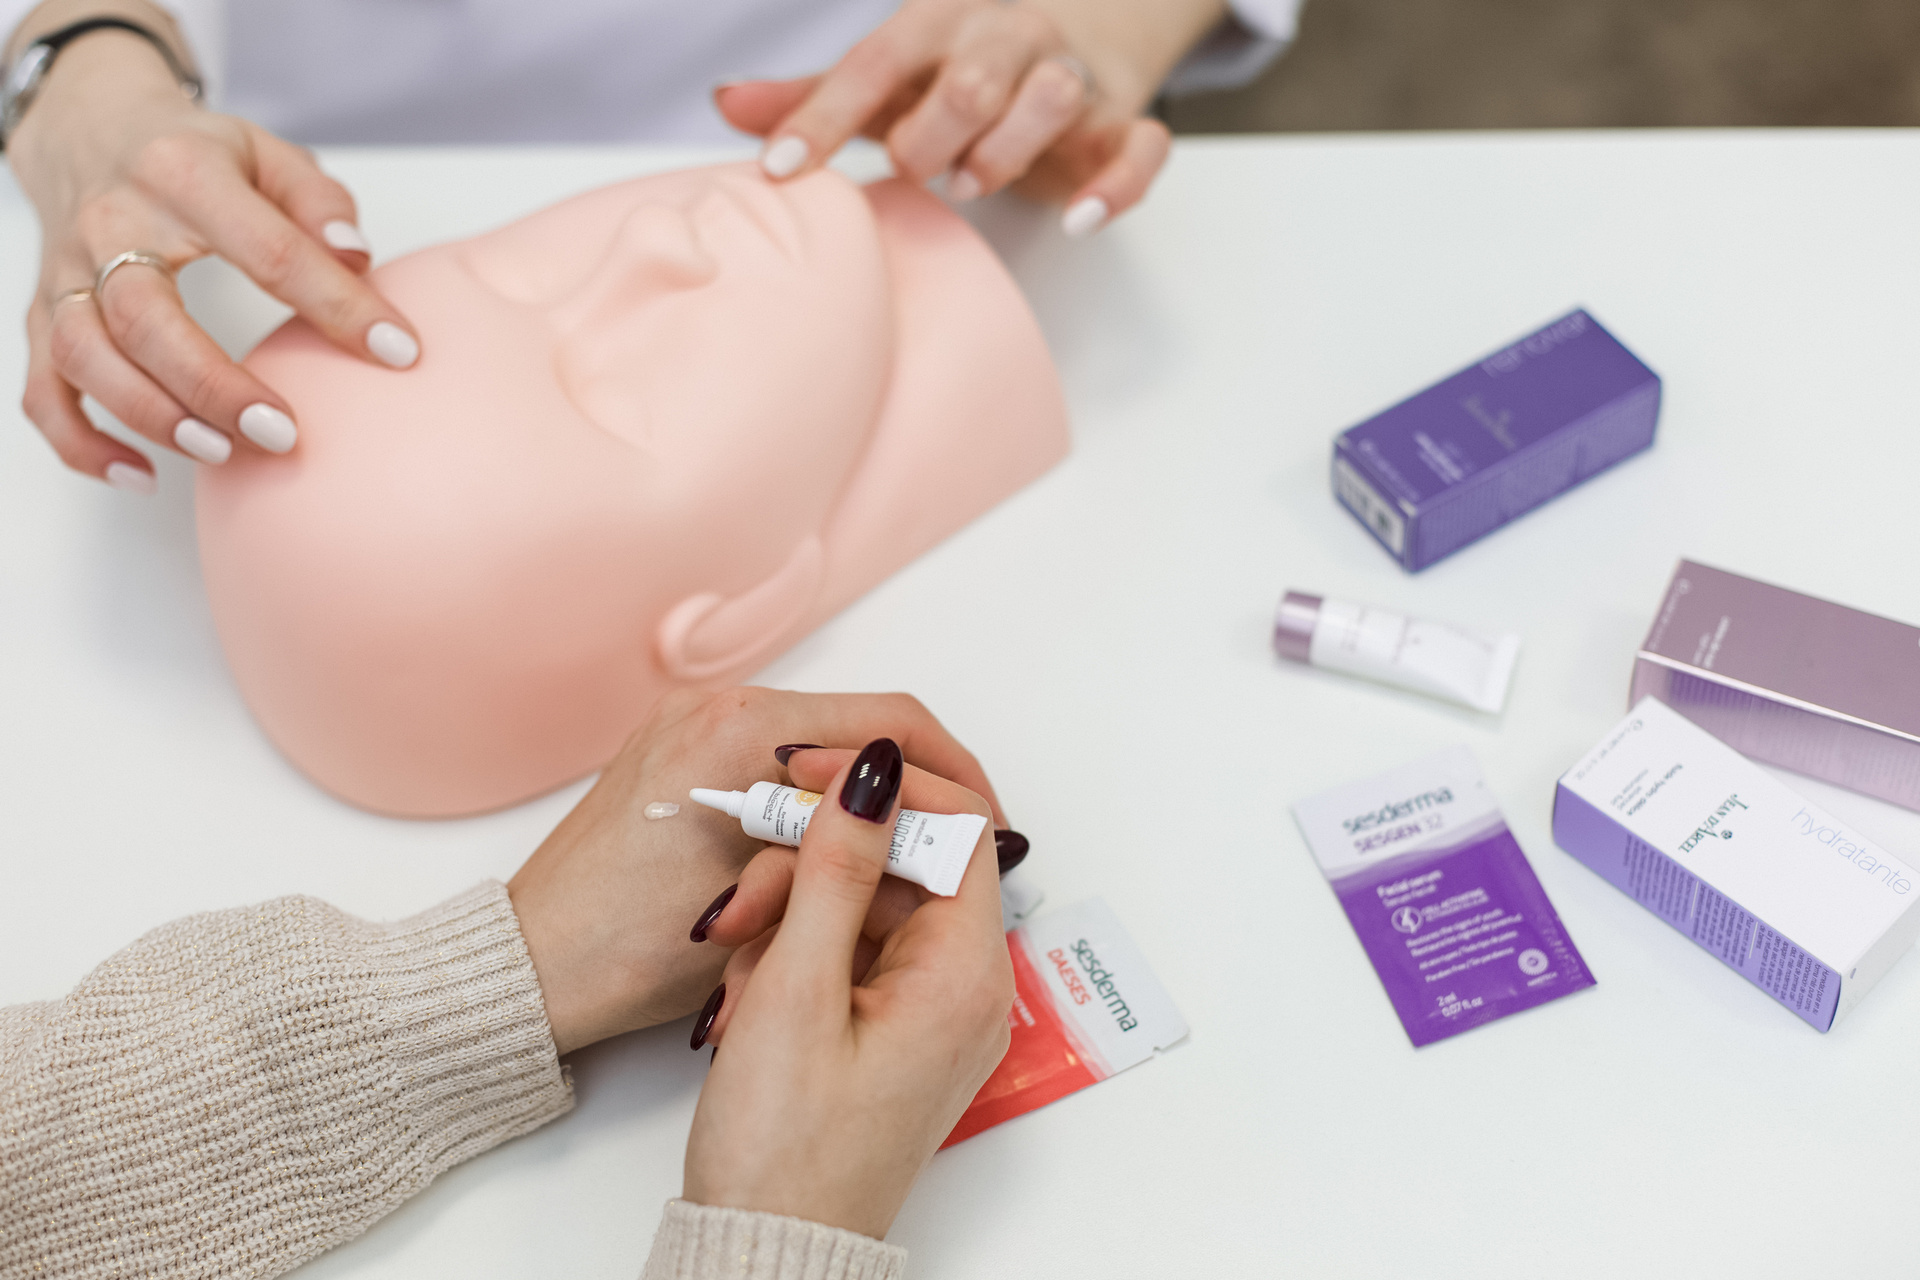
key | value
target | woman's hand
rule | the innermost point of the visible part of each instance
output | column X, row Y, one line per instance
column 116, row 160
column 607, row 901
column 1048, row 94
column 837, row 1089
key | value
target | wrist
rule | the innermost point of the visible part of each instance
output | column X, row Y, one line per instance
column 50, row 16
column 52, row 47
column 568, row 1017
column 101, row 89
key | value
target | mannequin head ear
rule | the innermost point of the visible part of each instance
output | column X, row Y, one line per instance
column 708, row 635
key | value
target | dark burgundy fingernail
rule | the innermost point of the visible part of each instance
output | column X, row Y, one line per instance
column 703, row 1024
column 1012, row 848
column 875, row 781
column 784, row 754
column 712, row 913
column 713, row 1055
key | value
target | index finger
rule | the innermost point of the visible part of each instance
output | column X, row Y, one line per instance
column 849, row 720
column 841, row 859
column 897, row 56
column 247, row 228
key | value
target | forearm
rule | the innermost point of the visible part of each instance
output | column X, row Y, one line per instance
column 1131, row 45
column 246, row 1089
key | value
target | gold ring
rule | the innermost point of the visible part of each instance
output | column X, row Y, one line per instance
column 71, row 295
column 120, row 260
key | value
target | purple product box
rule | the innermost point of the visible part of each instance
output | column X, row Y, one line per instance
column 1494, row 441
column 1441, row 897
column 1798, row 682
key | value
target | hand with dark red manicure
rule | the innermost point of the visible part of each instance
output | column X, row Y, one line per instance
column 836, row 1088
column 606, row 903
column 747, row 914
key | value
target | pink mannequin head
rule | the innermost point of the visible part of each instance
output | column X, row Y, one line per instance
column 658, row 432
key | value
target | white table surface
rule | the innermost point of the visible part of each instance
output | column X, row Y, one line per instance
column 1673, row 1121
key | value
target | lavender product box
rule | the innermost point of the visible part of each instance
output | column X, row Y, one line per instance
column 1815, row 687
column 1785, row 894
column 1442, row 898
column 1494, row 441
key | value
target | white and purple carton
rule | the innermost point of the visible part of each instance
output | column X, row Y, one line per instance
column 1441, row 896
column 1785, row 894
column 1467, row 455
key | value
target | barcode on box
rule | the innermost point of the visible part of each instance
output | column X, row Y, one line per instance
column 1365, row 501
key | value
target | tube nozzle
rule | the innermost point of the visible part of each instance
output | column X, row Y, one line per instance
column 727, row 802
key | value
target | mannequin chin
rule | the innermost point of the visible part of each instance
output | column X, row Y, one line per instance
column 658, row 433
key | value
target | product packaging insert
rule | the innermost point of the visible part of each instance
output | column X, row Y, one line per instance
column 1492, row 442
column 1803, row 683
column 1798, row 903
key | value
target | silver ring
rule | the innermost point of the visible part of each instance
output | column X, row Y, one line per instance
column 120, row 260
column 1082, row 72
column 71, row 295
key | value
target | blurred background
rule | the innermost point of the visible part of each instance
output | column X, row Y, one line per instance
column 1509, row 64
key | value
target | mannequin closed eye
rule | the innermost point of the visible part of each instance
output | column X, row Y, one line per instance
column 655, row 251
column 599, row 308
column 648, row 248
column 607, row 328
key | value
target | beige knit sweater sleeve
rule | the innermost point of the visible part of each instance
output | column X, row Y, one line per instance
column 240, row 1091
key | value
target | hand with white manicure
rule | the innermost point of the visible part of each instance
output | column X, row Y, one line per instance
column 132, row 180
column 1047, row 96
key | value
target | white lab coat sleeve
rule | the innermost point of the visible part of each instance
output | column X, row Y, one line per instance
column 1254, row 33
column 11, row 11
column 204, row 23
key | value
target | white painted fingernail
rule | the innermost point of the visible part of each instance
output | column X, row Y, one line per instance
column 198, row 440
column 392, row 345
column 784, row 156
column 1085, row 217
column 131, row 479
column 963, row 186
column 269, row 428
column 344, row 235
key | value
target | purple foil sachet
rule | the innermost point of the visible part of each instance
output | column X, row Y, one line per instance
column 1492, row 442
column 1442, row 898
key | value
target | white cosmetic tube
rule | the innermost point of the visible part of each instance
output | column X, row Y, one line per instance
column 1407, row 653
column 930, row 849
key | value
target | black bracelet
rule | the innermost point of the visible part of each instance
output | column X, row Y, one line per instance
column 26, row 75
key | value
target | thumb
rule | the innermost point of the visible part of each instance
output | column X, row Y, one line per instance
column 756, row 106
column 841, row 859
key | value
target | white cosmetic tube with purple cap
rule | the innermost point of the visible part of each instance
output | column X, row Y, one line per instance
column 1433, row 658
